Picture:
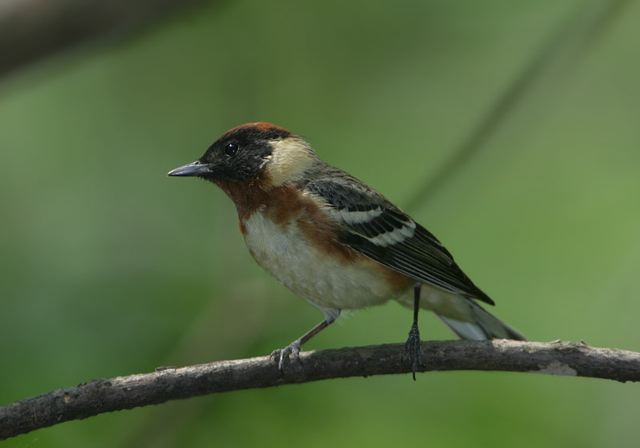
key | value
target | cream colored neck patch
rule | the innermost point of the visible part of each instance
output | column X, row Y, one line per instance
column 290, row 158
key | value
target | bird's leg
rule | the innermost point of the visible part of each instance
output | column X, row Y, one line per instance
column 412, row 346
column 293, row 349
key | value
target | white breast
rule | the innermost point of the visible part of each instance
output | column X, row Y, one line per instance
column 325, row 282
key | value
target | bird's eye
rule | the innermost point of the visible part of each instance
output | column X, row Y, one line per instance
column 231, row 149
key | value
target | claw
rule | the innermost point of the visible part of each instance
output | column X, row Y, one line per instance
column 412, row 347
column 291, row 351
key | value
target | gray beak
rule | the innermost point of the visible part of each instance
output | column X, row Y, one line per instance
column 192, row 169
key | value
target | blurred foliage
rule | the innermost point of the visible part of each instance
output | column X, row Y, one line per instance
column 108, row 267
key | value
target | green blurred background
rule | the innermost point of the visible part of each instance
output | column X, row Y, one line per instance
column 108, row 267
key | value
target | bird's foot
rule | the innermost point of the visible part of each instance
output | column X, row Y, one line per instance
column 412, row 347
column 291, row 352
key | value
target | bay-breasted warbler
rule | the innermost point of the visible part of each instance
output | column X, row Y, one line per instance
column 333, row 240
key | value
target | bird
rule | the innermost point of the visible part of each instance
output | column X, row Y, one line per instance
column 336, row 242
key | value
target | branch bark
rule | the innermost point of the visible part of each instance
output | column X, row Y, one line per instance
column 126, row 392
column 32, row 29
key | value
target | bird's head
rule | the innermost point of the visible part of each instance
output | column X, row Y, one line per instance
column 252, row 152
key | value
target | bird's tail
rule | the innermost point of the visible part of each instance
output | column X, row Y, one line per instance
column 480, row 325
column 463, row 315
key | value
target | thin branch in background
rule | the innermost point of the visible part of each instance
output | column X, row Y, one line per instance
column 579, row 32
column 127, row 392
column 33, row 29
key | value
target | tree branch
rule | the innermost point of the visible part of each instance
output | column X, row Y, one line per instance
column 581, row 29
column 32, row 29
column 126, row 392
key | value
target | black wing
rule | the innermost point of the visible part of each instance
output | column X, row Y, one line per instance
column 373, row 226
